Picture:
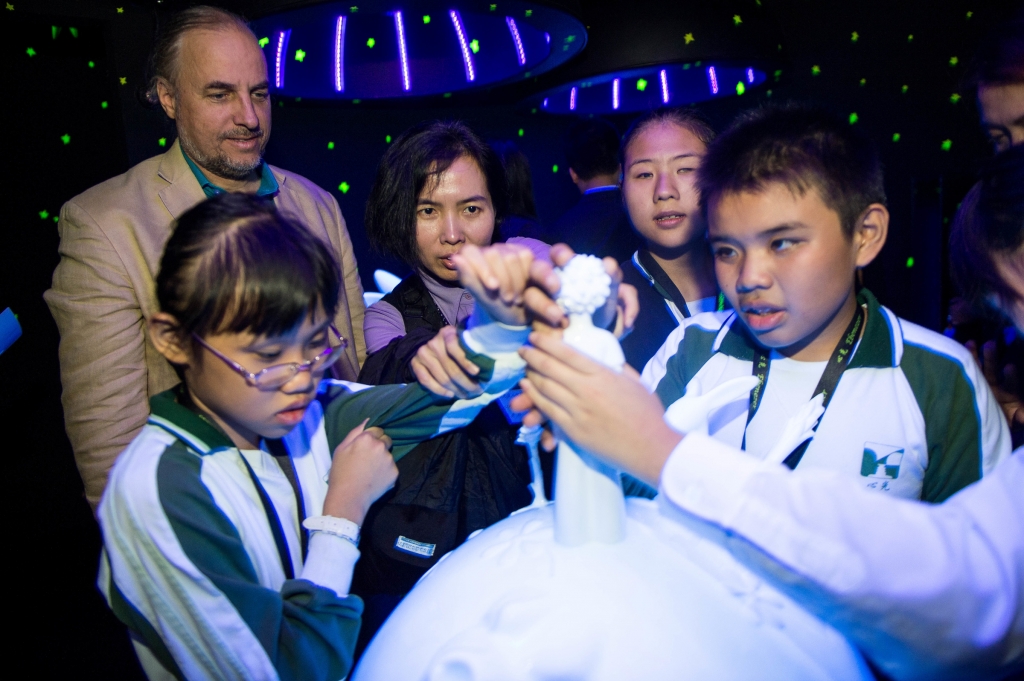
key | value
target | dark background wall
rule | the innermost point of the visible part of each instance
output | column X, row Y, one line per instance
column 51, row 91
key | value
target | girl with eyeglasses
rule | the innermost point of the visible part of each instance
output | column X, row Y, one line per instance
column 231, row 522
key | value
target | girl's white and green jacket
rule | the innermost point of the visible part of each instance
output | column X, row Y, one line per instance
column 911, row 416
column 199, row 536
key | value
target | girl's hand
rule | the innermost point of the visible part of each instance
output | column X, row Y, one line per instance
column 622, row 305
column 496, row 276
column 361, row 471
column 441, row 366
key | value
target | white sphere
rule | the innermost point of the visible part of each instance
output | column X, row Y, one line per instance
column 666, row 603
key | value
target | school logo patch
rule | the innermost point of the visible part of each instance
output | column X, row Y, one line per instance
column 881, row 461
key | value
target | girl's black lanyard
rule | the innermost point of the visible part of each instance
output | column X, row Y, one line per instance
column 827, row 384
column 279, row 452
column 664, row 285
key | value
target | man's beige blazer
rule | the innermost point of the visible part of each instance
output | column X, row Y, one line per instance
column 111, row 240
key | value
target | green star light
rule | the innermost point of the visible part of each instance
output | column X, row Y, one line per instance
column 162, row 141
column 387, row 139
column 955, row 97
column 344, row 187
column 740, row 88
column 947, row 145
column 863, row 82
column 73, row 31
column 330, row 145
column 815, row 70
column 641, row 84
column 554, row 168
column 529, row 12
column 910, row 38
column 264, row 42
column 904, row 89
column 43, row 214
column 474, row 45
column 736, row 19
column 688, row 38
column 426, row 18
column 854, row 118
column 910, row 261
column 300, row 55
column 895, row 137
column 953, row 61
column 104, row 105
column 66, row 139
column 30, row 52
column 854, row 37
column 92, row 64
column 520, row 132
column 55, row 31
column 370, row 43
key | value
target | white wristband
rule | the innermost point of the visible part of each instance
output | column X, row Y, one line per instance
column 340, row 527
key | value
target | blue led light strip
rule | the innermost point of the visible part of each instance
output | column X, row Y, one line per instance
column 402, row 55
column 460, row 32
column 572, row 99
column 615, row 93
column 339, row 55
column 514, row 30
column 713, row 80
column 664, row 86
column 282, row 51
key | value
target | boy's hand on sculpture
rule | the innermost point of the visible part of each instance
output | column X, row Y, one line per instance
column 610, row 414
column 496, row 276
column 690, row 412
column 441, row 366
column 361, row 471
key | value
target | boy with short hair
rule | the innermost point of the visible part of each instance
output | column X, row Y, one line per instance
column 795, row 205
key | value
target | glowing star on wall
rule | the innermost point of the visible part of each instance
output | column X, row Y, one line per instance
column 910, row 261
column 66, row 139
column 474, row 45
column 953, row 61
column 370, row 43
column 854, row 118
column 815, row 70
column 641, row 84
column 162, row 141
column 104, row 105
column 740, row 88
column 736, row 19
column 955, row 97
column 688, row 38
column 43, row 214
column 904, row 89
column 554, row 168
column 947, row 145
column 30, row 52
column 426, row 18
column 123, row 80
column 330, row 145
column 854, row 37
column 344, row 187
column 895, row 137
column 300, row 55
column 264, row 42
column 92, row 64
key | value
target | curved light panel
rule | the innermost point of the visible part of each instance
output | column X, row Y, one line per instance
column 371, row 50
column 648, row 88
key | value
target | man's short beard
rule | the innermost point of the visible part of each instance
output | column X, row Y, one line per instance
column 220, row 164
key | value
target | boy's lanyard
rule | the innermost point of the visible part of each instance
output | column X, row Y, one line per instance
column 664, row 285
column 279, row 452
column 827, row 384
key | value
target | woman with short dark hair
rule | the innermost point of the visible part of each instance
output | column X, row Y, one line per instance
column 437, row 188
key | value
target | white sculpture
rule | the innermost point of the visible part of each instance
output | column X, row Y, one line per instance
column 595, row 588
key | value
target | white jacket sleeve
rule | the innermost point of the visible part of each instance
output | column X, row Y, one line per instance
column 925, row 591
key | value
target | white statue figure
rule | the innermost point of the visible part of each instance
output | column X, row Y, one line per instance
column 633, row 591
column 591, row 506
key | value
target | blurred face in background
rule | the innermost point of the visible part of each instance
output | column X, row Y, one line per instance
column 1002, row 113
column 454, row 209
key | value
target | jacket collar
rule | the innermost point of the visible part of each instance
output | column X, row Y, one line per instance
column 183, row 190
column 168, row 412
column 877, row 347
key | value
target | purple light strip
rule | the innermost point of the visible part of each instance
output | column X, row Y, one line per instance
column 713, row 79
column 572, row 99
column 615, row 93
column 545, row 103
column 460, row 32
column 664, row 87
column 750, row 75
column 514, row 30
column 339, row 55
column 402, row 55
column 282, row 49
